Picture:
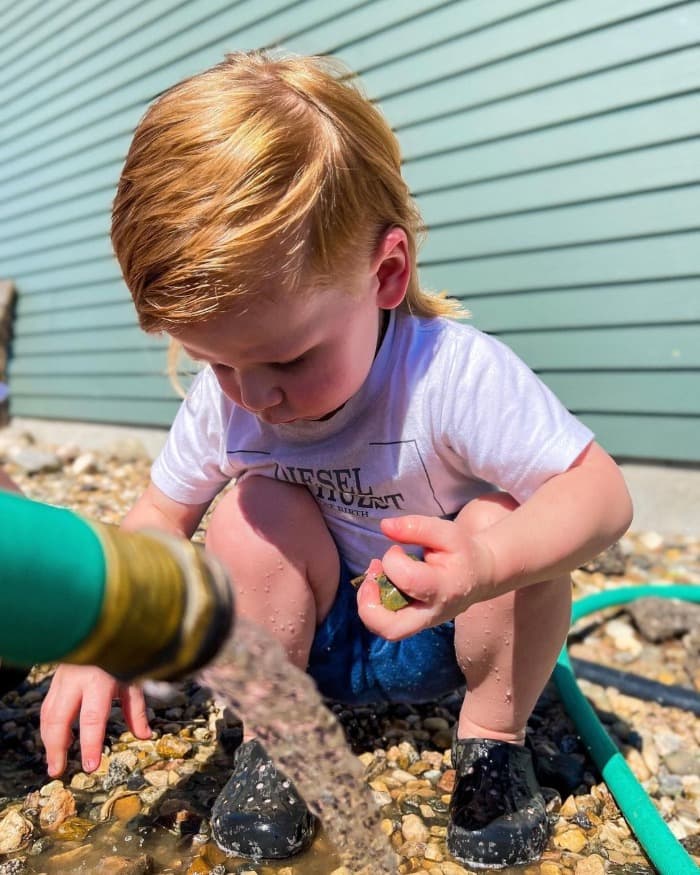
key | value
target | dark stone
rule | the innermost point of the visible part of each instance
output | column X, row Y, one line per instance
column 117, row 774
column 230, row 738
column 136, row 780
column 580, row 819
column 569, row 744
column 692, row 844
column 610, row 562
column 561, row 771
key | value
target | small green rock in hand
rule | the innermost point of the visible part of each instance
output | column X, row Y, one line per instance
column 390, row 595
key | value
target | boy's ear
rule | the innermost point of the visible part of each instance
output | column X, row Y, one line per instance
column 391, row 264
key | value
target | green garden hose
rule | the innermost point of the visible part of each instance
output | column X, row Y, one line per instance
column 659, row 843
column 134, row 603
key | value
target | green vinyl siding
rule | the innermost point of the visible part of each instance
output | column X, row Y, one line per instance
column 553, row 147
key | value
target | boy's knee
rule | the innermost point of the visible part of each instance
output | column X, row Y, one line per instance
column 268, row 517
column 483, row 512
column 263, row 505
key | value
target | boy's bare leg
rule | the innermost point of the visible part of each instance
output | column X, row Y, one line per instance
column 284, row 569
column 281, row 558
column 507, row 647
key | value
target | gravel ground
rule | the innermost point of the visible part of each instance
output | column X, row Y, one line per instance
column 145, row 809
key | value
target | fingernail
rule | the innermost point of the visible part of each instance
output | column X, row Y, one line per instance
column 89, row 765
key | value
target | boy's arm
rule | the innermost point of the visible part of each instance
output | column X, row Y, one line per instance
column 88, row 691
column 571, row 517
column 155, row 510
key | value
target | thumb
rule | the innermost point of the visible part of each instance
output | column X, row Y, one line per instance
column 424, row 531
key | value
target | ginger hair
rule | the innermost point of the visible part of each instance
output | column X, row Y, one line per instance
column 259, row 168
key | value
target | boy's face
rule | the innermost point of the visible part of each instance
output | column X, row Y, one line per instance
column 298, row 358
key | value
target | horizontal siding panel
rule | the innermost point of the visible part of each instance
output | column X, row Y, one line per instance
column 104, row 141
column 60, row 243
column 86, row 29
column 356, row 22
column 114, row 338
column 151, row 360
column 671, row 119
column 71, row 298
column 59, row 258
column 142, row 386
column 115, row 65
column 116, row 109
column 676, row 255
column 642, row 303
column 490, row 66
column 72, row 159
column 82, row 181
column 592, row 349
column 24, row 17
column 674, row 438
column 595, row 95
column 121, row 313
column 157, row 56
column 95, row 270
column 640, row 215
column 435, row 23
column 11, row 13
column 648, row 392
column 132, row 411
column 32, row 224
column 667, row 166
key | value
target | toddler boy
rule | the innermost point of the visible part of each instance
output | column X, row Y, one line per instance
column 261, row 221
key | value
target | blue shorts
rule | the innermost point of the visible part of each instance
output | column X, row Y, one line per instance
column 352, row 665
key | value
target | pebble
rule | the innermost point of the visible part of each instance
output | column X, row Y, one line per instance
column 404, row 750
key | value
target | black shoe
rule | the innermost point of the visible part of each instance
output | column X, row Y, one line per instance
column 497, row 811
column 259, row 815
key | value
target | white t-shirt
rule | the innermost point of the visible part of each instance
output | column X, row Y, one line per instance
column 447, row 413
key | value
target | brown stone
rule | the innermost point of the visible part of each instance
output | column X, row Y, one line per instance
column 446, row 784
column 117, row 865
column 58, row 807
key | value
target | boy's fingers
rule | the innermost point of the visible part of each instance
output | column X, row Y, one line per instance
column 424, row 531
column 57, row 715
column 97, row 704
column 392, row 625
column 415, row 579
column 134, row 708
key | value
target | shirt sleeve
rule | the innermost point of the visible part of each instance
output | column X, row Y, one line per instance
column 189, row 468
column 506, row 425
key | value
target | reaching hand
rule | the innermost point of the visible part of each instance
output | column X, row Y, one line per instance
column 86, row 691
column 455, row 568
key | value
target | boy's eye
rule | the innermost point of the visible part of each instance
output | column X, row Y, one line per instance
column 293, row 363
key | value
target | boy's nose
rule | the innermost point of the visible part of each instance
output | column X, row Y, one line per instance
column 258, row 392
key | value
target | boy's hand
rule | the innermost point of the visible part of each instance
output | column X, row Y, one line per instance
column 445, row 584
column 86, row 691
